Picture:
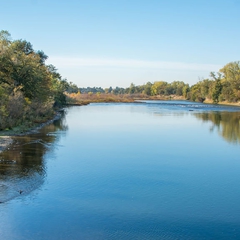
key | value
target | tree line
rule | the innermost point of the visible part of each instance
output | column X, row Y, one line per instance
column 29, row 88
column 221, row 86
column 150, row 89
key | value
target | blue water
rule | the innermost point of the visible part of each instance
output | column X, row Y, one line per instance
column 150, row 170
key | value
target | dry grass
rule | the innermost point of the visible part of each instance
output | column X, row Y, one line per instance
column 82, row 99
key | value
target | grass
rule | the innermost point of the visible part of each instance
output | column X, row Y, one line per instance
column 83, row 99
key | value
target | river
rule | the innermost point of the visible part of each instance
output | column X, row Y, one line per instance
column 145, row 170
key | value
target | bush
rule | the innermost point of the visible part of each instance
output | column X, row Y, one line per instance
column 15, row 111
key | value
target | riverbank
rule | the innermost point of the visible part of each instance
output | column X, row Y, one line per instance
column 207, row 101
column 6, row 136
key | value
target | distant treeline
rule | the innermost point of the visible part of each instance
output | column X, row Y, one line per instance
column 150, row 89
column 221, row 86
column 29, row 88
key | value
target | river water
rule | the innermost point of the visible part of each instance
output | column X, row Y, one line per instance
column 146, row 170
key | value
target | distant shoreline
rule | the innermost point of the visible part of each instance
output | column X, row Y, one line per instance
column 5, row 136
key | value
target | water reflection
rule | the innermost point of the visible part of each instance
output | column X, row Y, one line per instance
column 224, row 119
column 125, row 172
column 226, row 123
column 190, row 106
column 22, row 166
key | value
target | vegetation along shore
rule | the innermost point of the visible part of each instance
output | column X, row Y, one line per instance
column 32, row 92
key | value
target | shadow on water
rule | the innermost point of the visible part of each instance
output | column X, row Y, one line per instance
column 22, row 166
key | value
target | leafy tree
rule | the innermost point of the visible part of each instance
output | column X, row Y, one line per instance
column 158, row 88
column 231, row 81
column 186, row 90
column 147, row 88
column 28, row 87
column 22, row 46
column 5, row 39
column 177, row 87
column 217, row 90
column 72, row 88
column 169, row 89
column 118, row 90
column 132, row 89
column 43, row 57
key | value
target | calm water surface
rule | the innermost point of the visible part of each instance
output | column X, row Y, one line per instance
column 150, row 170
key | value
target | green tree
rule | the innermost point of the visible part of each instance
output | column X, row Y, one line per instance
column 132, row 89
column 186, row 90
column 147, row 88
column 158, row 88
column 231, row 81
column 217, row 90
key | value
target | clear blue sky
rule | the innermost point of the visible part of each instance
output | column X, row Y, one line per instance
column 116, row 42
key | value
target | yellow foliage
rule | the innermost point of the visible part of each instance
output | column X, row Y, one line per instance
column 27, row 100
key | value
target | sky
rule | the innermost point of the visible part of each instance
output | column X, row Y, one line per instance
column 119, row 42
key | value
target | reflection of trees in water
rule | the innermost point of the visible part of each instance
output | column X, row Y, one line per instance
column 22, row 167
column 227, row 124
column 177, row 114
